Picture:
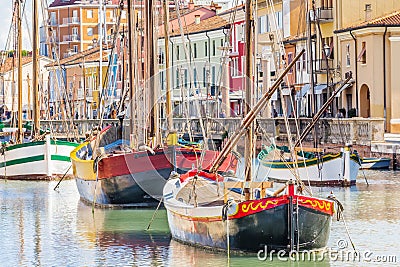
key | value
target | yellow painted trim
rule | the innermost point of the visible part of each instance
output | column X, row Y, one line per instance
column 82, row 169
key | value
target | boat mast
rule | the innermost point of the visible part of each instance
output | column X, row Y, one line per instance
column 20, row 134
column 100, row 42
column 132, row 34
column 35, row 70
column 311, row 67
column 150, row 71
column 168, row 105
column 249, row 93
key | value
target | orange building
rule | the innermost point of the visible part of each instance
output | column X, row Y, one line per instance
column 74, row 26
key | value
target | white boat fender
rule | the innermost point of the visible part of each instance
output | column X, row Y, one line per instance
column 229, row 208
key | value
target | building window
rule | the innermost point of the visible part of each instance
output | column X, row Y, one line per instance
column 348, row 55
column 362, row 57
column 279, row 19
column 160, row 57
column 195, row 77
column 75, row 48
column 90, row 31
column 234, row 67
column 177, row 78
column 222, row 42
column 177, row 52
column 242, row 64
column 186, row 77
column 213, row 75
column 204, row 76
column 89, row 14
column 213, row 48
column 263, row 24
column 195, row 50
column 289, row 60
column 206, row 49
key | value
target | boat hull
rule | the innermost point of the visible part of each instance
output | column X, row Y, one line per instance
column 39, row 160
column 252, row 233
column 375, row 163
column 136, row 178
column 327, row 172
column 272, row 222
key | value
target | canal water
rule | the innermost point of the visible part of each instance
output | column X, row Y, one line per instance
column 43, row 227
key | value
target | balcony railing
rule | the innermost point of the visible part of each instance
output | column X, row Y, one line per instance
column 71, row 38
column 71, row 20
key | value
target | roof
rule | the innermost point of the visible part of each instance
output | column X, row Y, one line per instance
column 232, row 9
column 213, row 23
column 297, row 38
column 59, row 3
column 389, row 20
column 88, row 55
column 63, row 3
column 8, row 63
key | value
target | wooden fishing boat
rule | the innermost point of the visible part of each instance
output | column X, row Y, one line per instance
column 134, row 178
column 375, row 163
column 317, row 169
column 313, row 166
column 285, row 222
column 38, row 159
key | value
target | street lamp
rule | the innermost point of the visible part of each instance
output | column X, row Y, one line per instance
column 327, row 50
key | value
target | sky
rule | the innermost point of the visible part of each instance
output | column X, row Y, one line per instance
column 5, row 22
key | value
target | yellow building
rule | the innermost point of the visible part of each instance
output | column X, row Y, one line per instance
column 370, row 50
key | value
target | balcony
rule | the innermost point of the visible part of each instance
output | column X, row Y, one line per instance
column 70, row 20
column 71, row 38
column 321, row 67
column 322, row 14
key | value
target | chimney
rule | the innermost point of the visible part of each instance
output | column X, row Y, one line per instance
column 368, row 11
column 191, row 5
column 197, row 19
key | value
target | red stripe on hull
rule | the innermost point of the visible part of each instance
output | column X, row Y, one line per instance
column 142, row 161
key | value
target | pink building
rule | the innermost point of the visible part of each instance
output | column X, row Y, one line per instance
column 237, row 58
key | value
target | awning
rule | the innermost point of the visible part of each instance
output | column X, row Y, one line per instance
column 306, row 88
column 347, row 85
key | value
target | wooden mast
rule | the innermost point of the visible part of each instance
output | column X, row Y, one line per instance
column 150, row 71
column 20, row 134
column 249, row 94
column 35, row 71
column 132, row 84
column 167, row 70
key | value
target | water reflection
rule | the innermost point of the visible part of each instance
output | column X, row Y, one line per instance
column 121, row 235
